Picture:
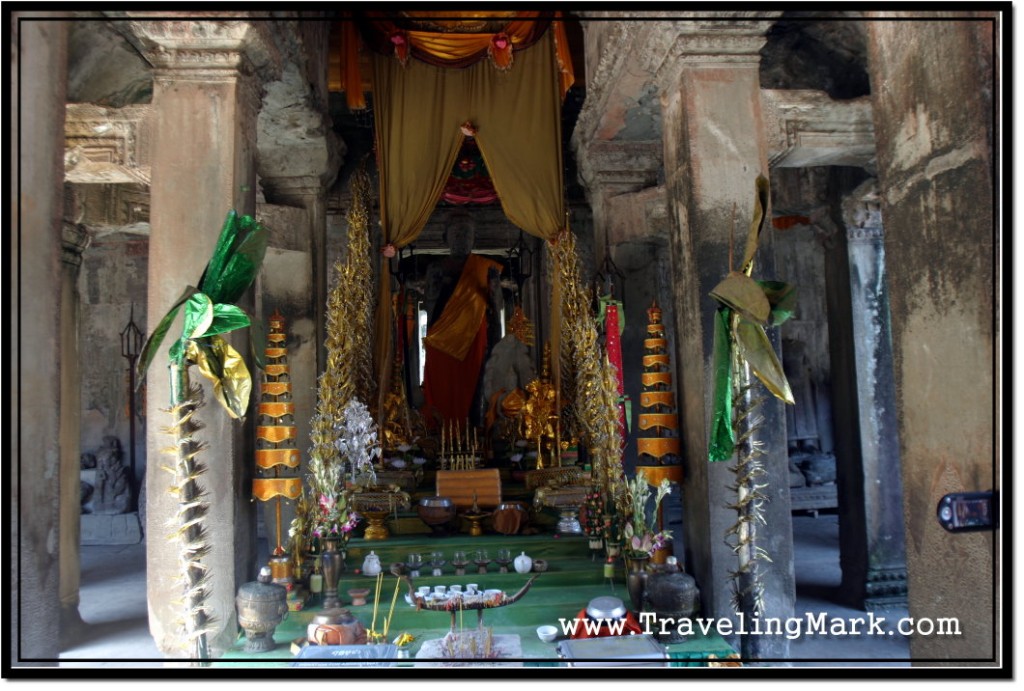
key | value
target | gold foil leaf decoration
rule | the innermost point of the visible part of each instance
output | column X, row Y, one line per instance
column 757, row 350
column 741, row 293
column 222, row 365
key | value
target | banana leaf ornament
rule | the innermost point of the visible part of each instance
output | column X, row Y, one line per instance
column 747, row 307
column 209, row 312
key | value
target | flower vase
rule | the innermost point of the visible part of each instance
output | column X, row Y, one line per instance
column 636, row 580
column 333, row 562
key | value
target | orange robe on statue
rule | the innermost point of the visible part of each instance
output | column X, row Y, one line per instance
column 457, row 343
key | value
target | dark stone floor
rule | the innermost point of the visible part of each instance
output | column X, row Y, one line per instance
column 116, row 633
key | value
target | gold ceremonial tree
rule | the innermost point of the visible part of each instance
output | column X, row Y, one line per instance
column 209, row 312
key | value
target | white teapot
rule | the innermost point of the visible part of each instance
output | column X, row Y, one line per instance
column 371, row 565
column 523, row 563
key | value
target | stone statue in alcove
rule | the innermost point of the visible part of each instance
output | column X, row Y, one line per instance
column 112, row 493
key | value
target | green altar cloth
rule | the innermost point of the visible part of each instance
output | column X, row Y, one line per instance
column 560, row 593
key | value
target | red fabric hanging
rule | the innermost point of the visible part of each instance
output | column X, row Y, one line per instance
column 614, row 348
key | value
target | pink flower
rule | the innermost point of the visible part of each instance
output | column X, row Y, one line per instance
column 501, row 41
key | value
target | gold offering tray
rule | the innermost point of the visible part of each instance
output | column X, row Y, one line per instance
column 375, row 506
column 461, row 602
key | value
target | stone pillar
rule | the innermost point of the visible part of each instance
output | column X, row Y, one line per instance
column 309, row 193
column 714, row 149
column 933, row 90
column 205, row 100
column 38, row 80
column 609, row 169
column 299, row 159
column 74, row 242
column 871, row 545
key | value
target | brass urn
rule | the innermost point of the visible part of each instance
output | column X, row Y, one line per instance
column 261, row 605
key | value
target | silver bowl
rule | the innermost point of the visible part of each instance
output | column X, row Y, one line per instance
column 435, row 501
column 606, row 607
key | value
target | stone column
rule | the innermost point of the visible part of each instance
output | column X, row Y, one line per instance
column 933, row 90
column 714, row 149
column 609, row 169
column 299, row 159
column 871, row 546
column 309, row 193
column 205, row 100
column 74, row 241
column 38, row 80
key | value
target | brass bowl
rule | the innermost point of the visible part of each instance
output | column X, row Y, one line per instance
column 358, row 596
column 436, row 512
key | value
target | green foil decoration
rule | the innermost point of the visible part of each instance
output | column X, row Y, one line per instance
column 748, row 306
column 208, row 312
column 722, row 441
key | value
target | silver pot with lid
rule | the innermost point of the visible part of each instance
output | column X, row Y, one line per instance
column 261, row 606
column 606, row 607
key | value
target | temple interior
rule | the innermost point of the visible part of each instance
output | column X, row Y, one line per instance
column 400, row 336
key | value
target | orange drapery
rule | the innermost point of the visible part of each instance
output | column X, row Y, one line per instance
column 443, row 49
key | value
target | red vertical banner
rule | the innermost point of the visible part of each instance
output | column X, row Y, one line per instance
column 613, row 344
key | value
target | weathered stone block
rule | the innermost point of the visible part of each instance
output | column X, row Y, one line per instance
column 114, row 529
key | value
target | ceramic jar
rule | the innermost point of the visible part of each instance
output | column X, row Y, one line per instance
column 523, row 563
column 672, row 595
column 371, row 565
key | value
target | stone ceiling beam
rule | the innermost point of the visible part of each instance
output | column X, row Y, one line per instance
column 609, row 169
column 807, row 128
column 629, row 54
column 107, row 145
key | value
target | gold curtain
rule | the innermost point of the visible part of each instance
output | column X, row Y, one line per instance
column 418, row 113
